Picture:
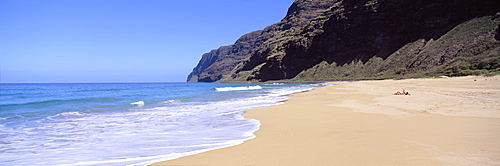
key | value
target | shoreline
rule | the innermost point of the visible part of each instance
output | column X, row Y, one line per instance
column 445, row 121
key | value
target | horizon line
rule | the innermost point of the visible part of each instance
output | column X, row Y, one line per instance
column 124, row 82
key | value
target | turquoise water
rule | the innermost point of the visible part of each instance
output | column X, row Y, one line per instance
column 127, row 123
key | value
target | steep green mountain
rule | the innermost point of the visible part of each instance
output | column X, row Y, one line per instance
column 363, row 39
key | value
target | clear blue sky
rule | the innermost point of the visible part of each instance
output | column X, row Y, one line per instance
column 121, row 40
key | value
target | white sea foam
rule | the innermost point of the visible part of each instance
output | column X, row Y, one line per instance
column 164, row 128
column 138, row 103
column 170, row 101
column 70, row 114
column 139, row 136
column 223, row 89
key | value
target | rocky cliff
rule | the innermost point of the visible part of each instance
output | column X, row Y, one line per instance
column 219, row 63
column 363, row 39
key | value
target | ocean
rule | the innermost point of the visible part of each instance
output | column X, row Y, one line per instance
column 127, row 123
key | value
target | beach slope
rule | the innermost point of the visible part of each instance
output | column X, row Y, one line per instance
column 445, row 121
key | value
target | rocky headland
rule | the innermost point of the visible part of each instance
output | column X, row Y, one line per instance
column 363, row 39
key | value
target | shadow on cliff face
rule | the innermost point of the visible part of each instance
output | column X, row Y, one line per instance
column 361, row 29
column 497, row 35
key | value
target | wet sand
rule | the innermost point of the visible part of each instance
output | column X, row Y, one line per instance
column 445, row 121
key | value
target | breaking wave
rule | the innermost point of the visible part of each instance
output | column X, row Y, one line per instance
column 223, row 89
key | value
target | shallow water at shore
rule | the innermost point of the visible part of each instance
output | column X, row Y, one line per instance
column 123, row 124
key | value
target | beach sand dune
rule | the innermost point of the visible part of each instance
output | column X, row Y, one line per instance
column 445, row 121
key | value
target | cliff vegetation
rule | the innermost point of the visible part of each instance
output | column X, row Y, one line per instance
column 363, row 39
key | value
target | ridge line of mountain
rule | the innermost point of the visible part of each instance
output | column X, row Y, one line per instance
column 363, row 39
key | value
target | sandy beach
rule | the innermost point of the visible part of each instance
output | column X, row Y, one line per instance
column 444, row 121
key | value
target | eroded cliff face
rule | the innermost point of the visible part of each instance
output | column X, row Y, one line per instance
column 219, row 63
column 362, row 39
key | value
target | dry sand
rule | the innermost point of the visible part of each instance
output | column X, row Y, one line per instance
column 446, row 121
